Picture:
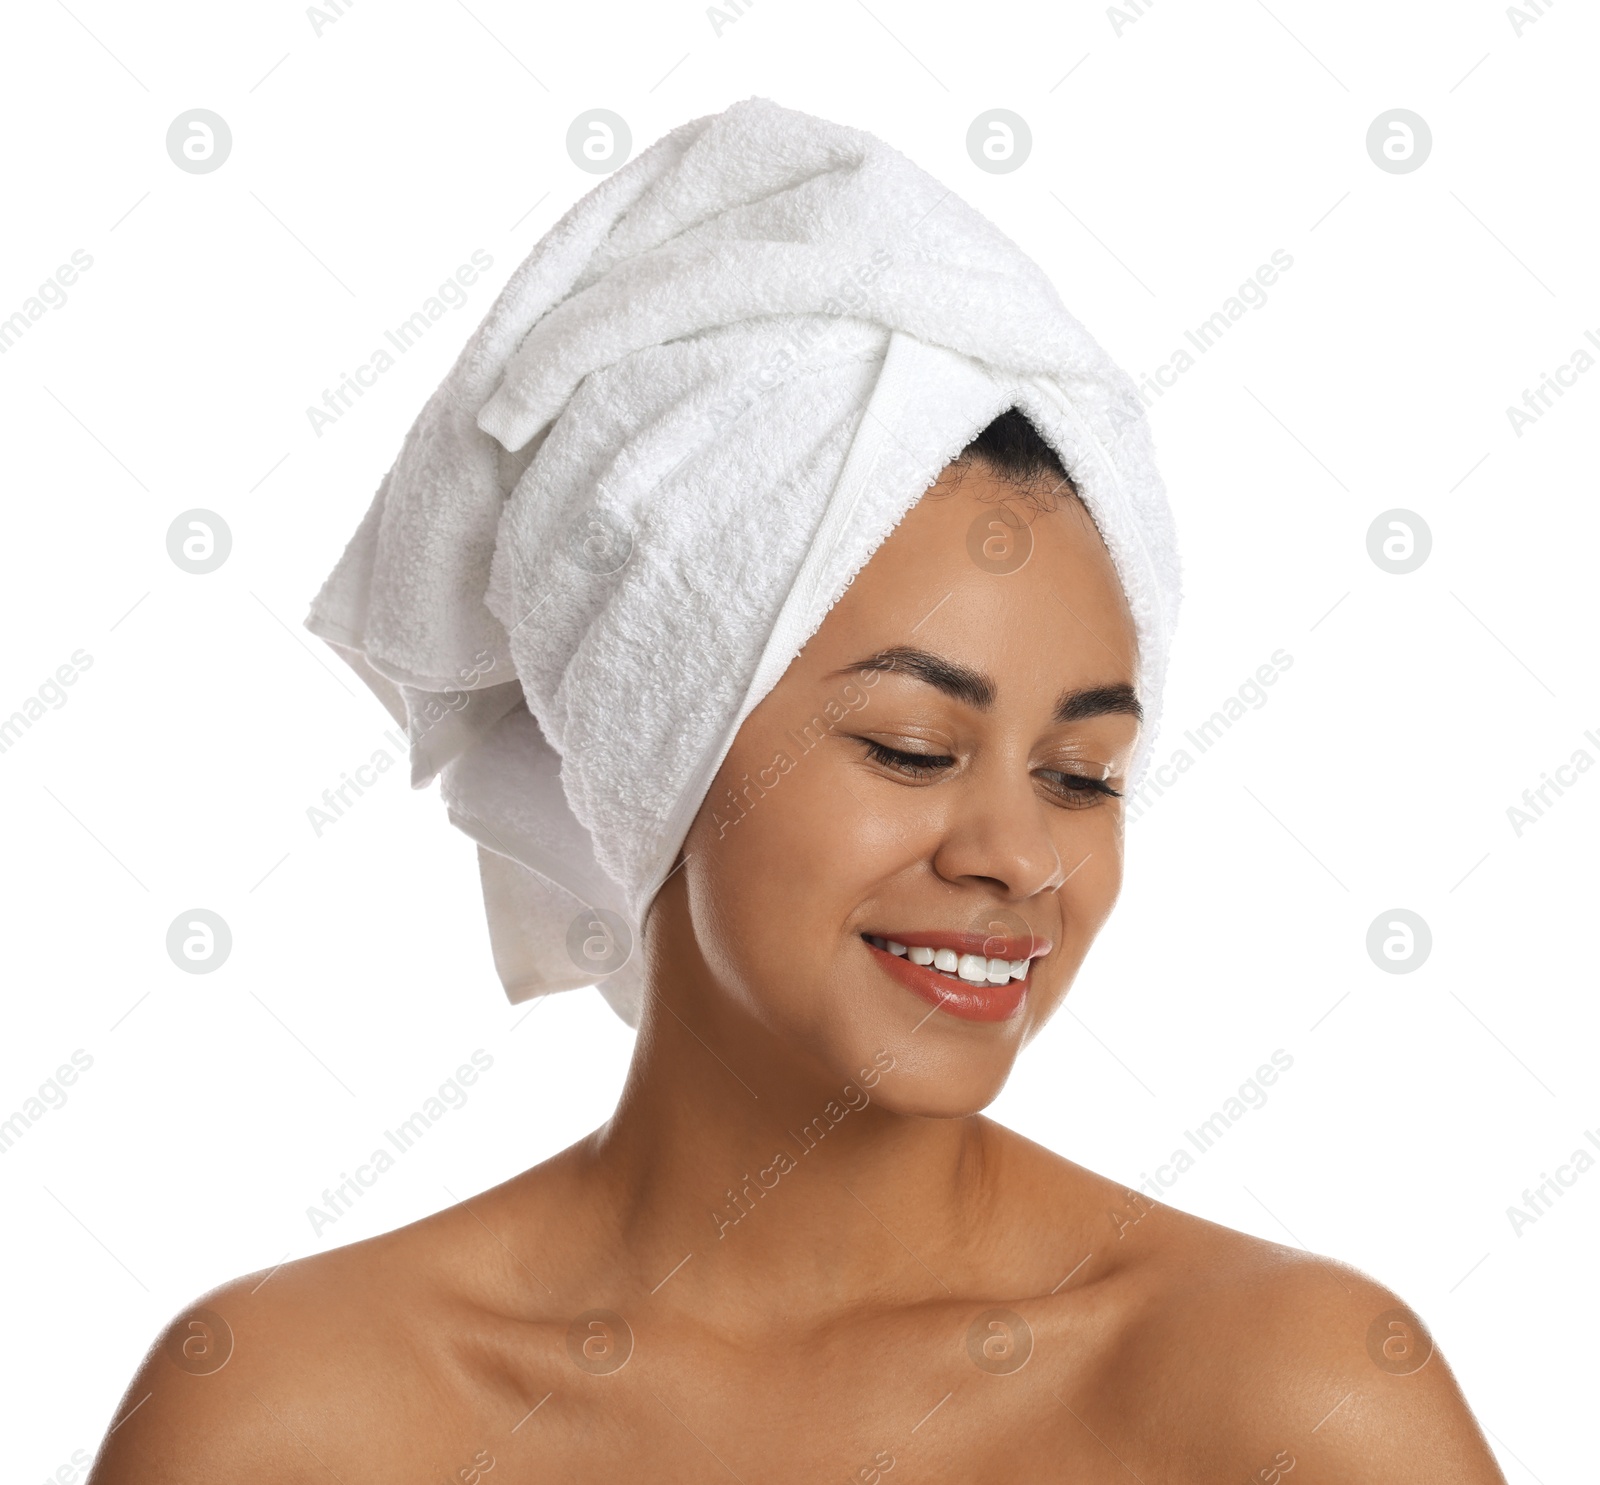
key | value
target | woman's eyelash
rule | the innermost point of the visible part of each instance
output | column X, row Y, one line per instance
column 1080, row 784
column 921, row 765
column 918, row 764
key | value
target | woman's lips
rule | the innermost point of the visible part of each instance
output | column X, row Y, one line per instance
column 969, row 999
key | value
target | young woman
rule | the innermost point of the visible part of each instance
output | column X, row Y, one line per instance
column 798, row 1251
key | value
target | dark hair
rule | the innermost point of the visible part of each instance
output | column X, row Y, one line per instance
column 1012, row 448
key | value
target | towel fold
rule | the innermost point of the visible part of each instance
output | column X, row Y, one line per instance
column 698, row 407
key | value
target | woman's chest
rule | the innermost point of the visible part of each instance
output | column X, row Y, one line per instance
column 876, row 1404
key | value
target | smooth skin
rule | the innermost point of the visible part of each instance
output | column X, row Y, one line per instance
column 833, row 1322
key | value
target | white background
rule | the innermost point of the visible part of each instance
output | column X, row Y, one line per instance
column 1172, row 153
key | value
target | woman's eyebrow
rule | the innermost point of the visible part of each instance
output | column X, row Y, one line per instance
column 975, row 689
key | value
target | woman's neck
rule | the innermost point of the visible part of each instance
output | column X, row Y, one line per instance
column 757, row 1186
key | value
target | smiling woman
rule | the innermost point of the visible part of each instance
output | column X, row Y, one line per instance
column 972, row 798
column 798, row 1250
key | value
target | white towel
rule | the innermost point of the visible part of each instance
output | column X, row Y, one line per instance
column 705, row 398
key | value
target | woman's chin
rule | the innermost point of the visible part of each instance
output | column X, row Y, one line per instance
column 942, row 1087
column 938, row 1105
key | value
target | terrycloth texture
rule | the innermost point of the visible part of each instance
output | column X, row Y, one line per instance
column 696, row 410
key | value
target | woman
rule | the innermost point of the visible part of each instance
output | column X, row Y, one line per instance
column 798, row 1250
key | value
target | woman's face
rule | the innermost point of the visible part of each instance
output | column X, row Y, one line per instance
column 957, row 795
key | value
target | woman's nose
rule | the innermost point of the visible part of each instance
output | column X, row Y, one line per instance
column 998, row 831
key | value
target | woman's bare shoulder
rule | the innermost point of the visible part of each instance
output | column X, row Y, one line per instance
column 1257, row 1353
column 289, row 1372
column 1299, row 1356
column 1320, row 1362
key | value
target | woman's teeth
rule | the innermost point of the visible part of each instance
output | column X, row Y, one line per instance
column 973, row 968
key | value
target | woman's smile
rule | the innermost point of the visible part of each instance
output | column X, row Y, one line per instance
column 978, row 977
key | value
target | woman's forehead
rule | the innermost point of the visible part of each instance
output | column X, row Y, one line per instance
column 972, row 571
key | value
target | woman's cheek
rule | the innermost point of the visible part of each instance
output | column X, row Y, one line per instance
column 767, row 828
column 1091, row 891
column 819, row 837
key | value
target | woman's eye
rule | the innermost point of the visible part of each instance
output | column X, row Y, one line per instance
column 1079, row 791
column 1075, row 791
column 917, row 765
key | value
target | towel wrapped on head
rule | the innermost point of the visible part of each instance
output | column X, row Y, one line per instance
column 699, row 406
